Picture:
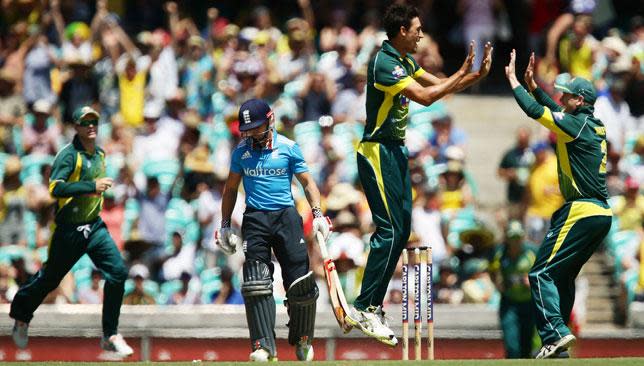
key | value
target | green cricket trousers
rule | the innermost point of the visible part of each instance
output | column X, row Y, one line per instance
column 576, row 230
column 384, row 174
column 517, row 325
column 68, row 243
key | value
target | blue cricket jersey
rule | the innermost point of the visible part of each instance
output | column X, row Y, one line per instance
column 267, row 173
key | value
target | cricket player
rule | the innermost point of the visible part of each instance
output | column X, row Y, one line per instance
column 580, row 225
column 509, row 268
column 394, row 78
column 78, row 182
column 265, row 162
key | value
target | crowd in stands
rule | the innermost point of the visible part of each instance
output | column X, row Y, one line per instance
column 169, row 97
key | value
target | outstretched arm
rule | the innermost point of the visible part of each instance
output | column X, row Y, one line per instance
column 470, row 78
column 429, row 94
column 541, row 96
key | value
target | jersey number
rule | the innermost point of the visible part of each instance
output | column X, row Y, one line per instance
column 602, row 167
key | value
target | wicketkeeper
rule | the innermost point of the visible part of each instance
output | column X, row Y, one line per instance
column 265, row 162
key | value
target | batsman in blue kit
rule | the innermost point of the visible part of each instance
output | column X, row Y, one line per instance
column 265, row 162
column 581, row 224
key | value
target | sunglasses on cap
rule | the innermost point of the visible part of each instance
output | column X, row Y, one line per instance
column 89, row 122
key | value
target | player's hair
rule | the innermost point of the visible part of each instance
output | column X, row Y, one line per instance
column 398, row 15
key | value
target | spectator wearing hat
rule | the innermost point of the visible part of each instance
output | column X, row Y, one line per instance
column 139, row 273
column 629, row 207
column 41, row 133
column 155, row 142
column 12, row 109
column 515, row 170
column 543, row 196
column 509, row 269
column 78, row 182
column 456, row 193
column 13, row 204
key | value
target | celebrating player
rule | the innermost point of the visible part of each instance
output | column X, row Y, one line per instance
column 266, row 162
column 78, row 182
column 580, row 225
column 394, row 77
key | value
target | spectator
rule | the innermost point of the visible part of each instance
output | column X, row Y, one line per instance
column 41, row 133
column 189, row 294
column 629, row 207
column 94, row 293
column 151, row 223
column 181, row 260
column 12, row 109
column 227, row 293
column 456, row 193
column 139, row 273
column 427, row 222
column 13, row 204
column 515, row 169
column 614, row 112
column 543, row 192
column 444, row 136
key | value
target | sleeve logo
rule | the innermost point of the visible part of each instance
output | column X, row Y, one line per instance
column 558, row 116
column 398, row 72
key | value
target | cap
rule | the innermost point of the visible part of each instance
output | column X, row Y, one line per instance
column 514, row 229
column 82, row 112
column 253, row 113
column 42, row 106
column 577, row 86
column 540, row 146
column 139, row 270
column 152, row 110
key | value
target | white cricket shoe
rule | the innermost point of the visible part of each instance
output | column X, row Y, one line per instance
column 20, row 334
column 553, row 350
column 371, row 324
column 117, row 344
column 261, row 355
column 304, row 352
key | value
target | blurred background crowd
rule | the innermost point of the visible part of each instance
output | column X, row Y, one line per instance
column 168, row 79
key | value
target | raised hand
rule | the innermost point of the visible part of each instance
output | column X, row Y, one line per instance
column 486, row 62
column 510, row 70
column 528, row 77
column 469, row 60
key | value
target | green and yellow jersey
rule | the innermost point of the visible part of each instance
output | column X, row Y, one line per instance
column 581, row 145
column 388, row 74
column 73, row 184
column 514, row 271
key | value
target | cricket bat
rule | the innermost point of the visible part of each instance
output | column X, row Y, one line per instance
column 336, row 294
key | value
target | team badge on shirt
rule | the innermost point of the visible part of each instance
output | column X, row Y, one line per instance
column 398, row 72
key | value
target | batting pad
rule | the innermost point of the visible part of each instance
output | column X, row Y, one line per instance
column 301, row 300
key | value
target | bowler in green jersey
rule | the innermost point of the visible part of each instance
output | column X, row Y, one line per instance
column 77, row 183
column 394, row 78
column 581, row 224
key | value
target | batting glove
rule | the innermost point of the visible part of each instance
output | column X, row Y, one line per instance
column 321, row 224
column 227, row 239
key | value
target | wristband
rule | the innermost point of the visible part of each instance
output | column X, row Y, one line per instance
column 317, row 212
column 225, row 224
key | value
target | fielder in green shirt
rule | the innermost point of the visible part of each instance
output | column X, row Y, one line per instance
column 581, row 224
column 78, row 182
column 509, row 269
column 394, row 78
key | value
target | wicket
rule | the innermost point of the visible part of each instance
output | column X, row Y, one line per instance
column 422, row 257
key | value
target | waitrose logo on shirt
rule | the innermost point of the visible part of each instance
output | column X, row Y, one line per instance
column 256, row 172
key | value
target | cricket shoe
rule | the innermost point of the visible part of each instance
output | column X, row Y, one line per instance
column 117, row 344
column 261, row 355
column 553, row 350
column 370, row 323
column 20, row 334
column 304, row 352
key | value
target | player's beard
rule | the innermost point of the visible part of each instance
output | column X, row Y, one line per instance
column 261, row 140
